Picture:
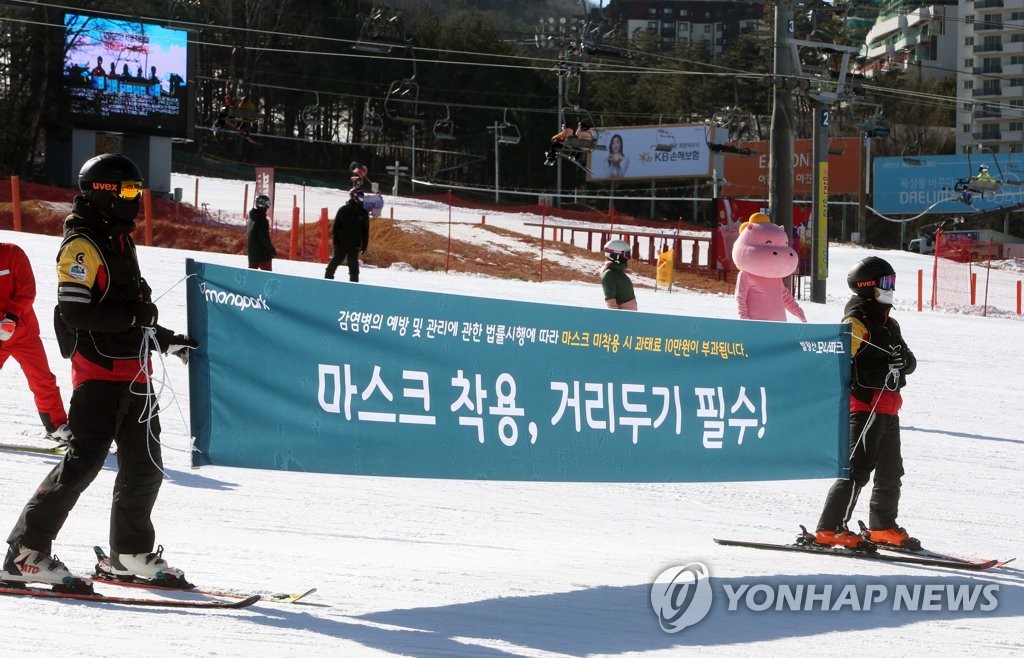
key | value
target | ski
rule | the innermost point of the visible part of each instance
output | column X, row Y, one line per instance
column 44, row 450
column 924, row 552
column 838, row 551
column 185, row 586
column 43, row 593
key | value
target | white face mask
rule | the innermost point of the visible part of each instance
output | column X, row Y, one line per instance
column 884, row 296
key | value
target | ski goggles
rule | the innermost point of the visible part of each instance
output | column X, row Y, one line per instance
column 887, row 282
column 129, row 190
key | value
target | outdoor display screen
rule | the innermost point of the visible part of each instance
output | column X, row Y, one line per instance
column 125, row 76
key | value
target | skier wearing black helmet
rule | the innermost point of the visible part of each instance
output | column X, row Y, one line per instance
column 257, row 231
column 881, row 362
column 106, row 324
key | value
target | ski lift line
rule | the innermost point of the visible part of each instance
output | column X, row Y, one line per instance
column 197, row 27
column 897, row 220
column 546, row 192
column 202, row 26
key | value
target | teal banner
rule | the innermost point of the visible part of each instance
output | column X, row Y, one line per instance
column 307, row 374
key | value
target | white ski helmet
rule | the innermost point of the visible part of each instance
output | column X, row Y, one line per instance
column 618, row 251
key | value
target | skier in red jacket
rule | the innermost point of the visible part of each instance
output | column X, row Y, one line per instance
column 19, row 338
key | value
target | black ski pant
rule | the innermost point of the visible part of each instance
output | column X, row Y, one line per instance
column 874, row 446
column 342, row 254
column 100, row 413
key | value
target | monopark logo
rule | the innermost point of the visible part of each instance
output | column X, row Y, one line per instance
column 681, row 596
column 241, row 302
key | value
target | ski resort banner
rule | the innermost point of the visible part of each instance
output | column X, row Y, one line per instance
column 929, row 184
column 308, row 374
column 747, row 176
column 648, row 152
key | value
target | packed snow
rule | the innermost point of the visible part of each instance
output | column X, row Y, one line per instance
column 410, row 567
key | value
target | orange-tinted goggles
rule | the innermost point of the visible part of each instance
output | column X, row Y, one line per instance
column 129, row 190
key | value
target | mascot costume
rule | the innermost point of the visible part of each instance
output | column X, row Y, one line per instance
column 764, row 258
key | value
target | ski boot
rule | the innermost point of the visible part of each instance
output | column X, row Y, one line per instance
column 895, row 537
column 839, row 538
column 24, row 566
column 141, row 567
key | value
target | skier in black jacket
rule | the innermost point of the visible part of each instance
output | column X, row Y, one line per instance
column 351, row 236
column 257, row 232
column 106, row 323
column 881, row 363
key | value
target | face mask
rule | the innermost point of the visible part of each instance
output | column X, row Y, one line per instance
column 124, row 212
column 884, row 296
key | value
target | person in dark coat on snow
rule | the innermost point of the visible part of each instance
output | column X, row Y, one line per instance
column 257, row 231
column 879, row 369
column 351, row 236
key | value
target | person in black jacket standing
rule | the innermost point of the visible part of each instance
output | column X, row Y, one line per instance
column 351, row 236
column 106, row 323
column 881, row 363
column 257, row 232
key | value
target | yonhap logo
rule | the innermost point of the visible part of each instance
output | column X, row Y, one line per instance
column 241, row 302
column 681, row 596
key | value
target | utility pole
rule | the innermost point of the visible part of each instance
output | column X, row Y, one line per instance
column 562, row 73
column 497, row 160
column 819, row 203
column 780, row 158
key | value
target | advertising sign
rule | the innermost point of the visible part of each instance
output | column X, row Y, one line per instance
column 928, row 183
column 645, row 152
column 747, row 176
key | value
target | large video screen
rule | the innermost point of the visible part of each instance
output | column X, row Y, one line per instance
column 125, row 76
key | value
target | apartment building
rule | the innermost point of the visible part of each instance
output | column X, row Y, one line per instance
column 685, row 22
column 990, row 85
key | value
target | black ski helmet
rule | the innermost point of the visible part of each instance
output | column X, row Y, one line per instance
column 105, row 179
column 865, row 276
column 262, row 201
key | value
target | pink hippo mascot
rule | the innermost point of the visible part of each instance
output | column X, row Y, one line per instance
column 764, row 258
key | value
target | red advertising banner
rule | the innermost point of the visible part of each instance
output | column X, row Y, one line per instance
column 747, row 176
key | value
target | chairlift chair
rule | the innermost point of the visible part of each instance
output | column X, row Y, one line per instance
column 666, row 142
column 311, row 114
column 506, row 132
column 402, row 101
column 445, row 128
column 372, row 121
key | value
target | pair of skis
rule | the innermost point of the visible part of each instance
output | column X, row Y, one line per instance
column 880, row 553
column 222, row 598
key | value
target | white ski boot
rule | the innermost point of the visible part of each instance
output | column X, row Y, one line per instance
column 25, row 565
column 143, row 566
